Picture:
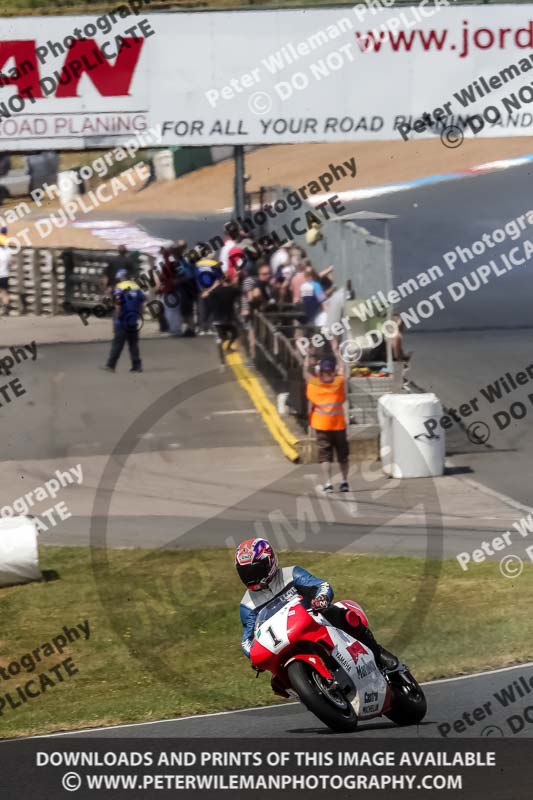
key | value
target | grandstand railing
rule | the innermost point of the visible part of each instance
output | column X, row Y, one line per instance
column 278, row 359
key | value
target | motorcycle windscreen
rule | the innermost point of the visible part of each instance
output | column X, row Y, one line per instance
column 273, row 607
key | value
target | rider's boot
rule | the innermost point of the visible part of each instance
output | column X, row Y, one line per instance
column 384, row 659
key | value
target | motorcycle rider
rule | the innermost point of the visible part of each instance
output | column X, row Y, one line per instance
column 257, row 567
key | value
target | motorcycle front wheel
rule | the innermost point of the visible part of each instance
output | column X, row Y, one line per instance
column 325, row 702
column 409, row 703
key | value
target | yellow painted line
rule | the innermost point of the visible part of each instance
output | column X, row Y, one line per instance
column 268, row 411
column 253, row 386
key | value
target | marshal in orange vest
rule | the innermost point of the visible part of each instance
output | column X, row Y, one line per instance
column 327, row 413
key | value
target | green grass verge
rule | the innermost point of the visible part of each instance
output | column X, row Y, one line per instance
column 165, row 630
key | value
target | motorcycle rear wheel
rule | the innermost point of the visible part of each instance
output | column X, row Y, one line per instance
column 409, row 705
column 329, row 705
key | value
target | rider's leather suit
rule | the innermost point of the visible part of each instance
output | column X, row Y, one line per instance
column 287, row 582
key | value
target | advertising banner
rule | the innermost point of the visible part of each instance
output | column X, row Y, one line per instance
column 262, row 77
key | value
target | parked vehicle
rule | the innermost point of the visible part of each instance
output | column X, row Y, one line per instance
column 15, row 183
column 41, row 167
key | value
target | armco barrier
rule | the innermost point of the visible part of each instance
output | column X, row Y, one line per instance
column 48, row 280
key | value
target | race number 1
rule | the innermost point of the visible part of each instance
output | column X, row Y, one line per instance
column 275, row 640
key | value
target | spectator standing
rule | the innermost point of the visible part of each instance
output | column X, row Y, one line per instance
column 128, row 312
column 251, row 250
column 187, row 287
column 326, row 394
column 237, row 261
column 4, row 238
column 222, row 304
column 159, row 266
column 398, row 353
column 297, row 256
column 208, row 277
column 263, row 295
column 280, row 258
column 170, row 295
column 283, row 270
column 238, row 252
column 313, row 299
column 296, row 282
column 231, row 240
column 5, row 263
column 324, row 279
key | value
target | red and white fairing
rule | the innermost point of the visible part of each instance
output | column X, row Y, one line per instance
column 292, row 633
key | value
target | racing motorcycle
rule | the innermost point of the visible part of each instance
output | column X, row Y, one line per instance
column 333, row 674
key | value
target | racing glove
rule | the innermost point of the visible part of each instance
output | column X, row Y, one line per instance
column 319, row 602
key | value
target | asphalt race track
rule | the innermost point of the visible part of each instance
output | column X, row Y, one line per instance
column 289, row 719
column 456, row 366
column 202, row 473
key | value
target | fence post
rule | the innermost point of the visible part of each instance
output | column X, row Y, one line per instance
column 20, row 282
column 53, row 284
column 38, row 301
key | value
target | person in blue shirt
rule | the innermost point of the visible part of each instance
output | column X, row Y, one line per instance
column 208, row 276
column 187, row 286
column 313, row 299
column 127, row 321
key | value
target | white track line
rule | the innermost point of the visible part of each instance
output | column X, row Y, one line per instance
column 493, row 493
column 152, row 722
column 233, row 411
column 479, row 674
column 256, row 708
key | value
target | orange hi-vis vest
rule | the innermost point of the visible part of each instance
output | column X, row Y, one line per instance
column 327, row 413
